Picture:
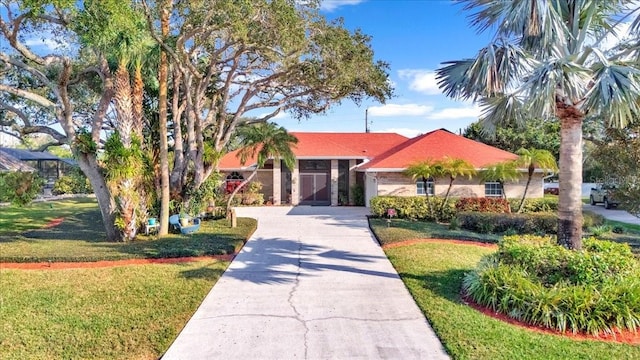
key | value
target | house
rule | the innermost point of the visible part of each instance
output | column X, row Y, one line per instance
column 9, row 163
column 328, row 166
column 49, row 166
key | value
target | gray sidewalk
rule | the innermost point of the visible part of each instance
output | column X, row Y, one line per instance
column 312, row 283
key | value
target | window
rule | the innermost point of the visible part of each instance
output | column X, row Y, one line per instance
column 233, row 180
column 420, row 186
column 492, row 189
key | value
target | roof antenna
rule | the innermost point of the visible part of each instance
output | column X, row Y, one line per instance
column 366, row 120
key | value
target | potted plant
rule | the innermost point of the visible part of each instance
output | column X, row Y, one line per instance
column 184, row 219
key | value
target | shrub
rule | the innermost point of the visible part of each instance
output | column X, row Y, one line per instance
column 20, row 188
column 598, row 231
column 546, row 204
column 413, row 207
column 483, row 222
column 591, row 219
column 494, row 205
column 618, row 229
column 532, row 279
column 73, row 183
column 357, row 193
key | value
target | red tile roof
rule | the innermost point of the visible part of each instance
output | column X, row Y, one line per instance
column 436, row 145
column 318, row 145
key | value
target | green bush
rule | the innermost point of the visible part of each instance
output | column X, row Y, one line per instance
column 20, row 188
column 532, row 279
column 546, row 204
column 591, row 219
column 483, row 204
column 73, row 183
column 413, row 207
column 357, row 193
column 484, row 222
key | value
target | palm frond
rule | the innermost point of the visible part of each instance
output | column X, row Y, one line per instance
column 615, row 93
column 493, row 71
column 500, row 110
column 557, row 76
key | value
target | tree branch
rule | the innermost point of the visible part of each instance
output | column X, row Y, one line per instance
column 28, row 96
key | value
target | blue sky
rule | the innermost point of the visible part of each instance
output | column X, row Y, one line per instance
column 414, row 37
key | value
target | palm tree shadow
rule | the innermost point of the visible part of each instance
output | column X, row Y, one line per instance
column 446, row 284
column 278, row 261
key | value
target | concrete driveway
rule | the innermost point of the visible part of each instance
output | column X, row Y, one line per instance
column 311, row 283
column 612, row 214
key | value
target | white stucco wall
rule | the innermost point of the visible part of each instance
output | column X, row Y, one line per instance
column 396, row 184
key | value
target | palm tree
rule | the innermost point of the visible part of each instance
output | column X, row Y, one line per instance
column 546, row 61
column 454, row 168
column 425, row 170
column 264, row 141
column 501, row 173
column 534, row 159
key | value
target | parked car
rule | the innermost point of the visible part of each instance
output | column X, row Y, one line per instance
column 602, row 193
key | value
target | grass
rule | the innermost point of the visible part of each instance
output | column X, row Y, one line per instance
column 14, row 219
column 122, row 312
column 401, row 229
column 433, row 273
column 128, row 312
column 80, row 237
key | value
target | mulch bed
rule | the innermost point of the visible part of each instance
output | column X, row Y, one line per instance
column 619, row 336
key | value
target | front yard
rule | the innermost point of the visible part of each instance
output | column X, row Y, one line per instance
column 433, row 273
column 120, row 312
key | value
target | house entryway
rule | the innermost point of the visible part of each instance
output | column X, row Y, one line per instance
column 315, row 188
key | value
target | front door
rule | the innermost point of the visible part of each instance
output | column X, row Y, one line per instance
column 314, row 189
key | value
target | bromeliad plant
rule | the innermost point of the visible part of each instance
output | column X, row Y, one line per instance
column 535, row 280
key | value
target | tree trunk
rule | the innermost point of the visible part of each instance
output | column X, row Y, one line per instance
column 526, row 188
column 570, row 177
column 163, row 80
column 446, row 196
column 106, row 203
column 429, row 206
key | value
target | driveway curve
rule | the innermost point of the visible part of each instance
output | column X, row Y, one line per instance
column 311, row 283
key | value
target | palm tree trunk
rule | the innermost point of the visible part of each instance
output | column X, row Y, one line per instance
column 429, row 206
column 163, row 80
column 239, row 187
column 570, row 177
column 526, row 188
column 446, row 196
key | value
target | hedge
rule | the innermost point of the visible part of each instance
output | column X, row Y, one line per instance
column 413, row 207
column 484, row 222
column 546, row 204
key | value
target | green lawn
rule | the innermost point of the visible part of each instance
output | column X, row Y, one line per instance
column 433, row 274
column 401, row 229
column 122, row 312
column 127, row 312
column 80, row 237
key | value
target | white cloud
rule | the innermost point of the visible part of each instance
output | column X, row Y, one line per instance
column 456, row 113
column 47, row 43
column 408, row 132
column 421, row 80
column 330, row 5
column 400, row 110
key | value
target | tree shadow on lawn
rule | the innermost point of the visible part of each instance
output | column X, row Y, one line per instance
column 83, row 226
column 212, row 239
column 446, row 284
column 204, row 273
